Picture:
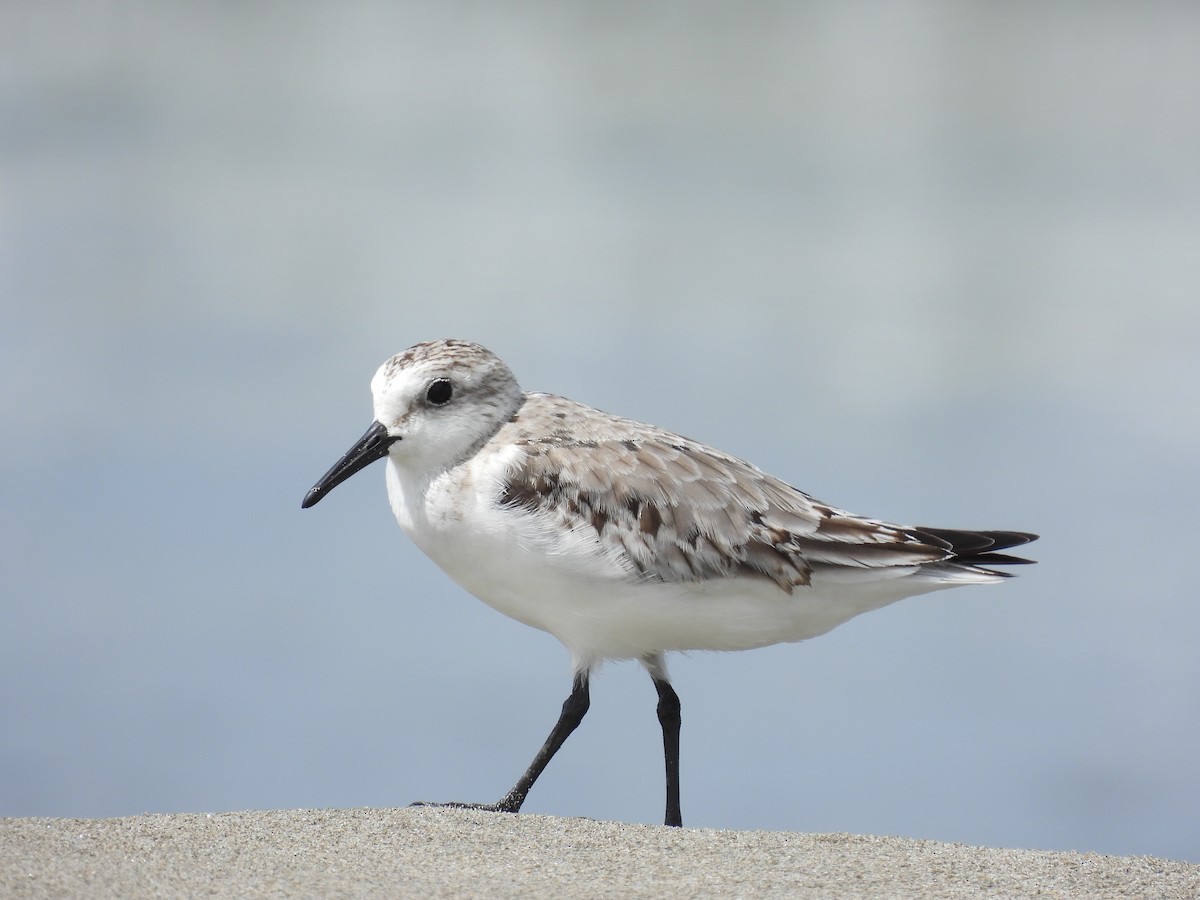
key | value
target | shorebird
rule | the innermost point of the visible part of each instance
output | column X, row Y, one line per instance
column 624, row 540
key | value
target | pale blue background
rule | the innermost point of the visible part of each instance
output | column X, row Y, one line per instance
column 932, row 261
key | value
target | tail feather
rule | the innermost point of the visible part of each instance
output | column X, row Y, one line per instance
column 978, row 548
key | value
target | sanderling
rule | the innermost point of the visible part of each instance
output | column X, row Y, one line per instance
column 623, row 540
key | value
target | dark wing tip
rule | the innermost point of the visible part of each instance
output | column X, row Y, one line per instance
column 979, row 547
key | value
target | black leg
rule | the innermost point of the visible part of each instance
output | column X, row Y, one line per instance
column 573, row 711
column 668, row 717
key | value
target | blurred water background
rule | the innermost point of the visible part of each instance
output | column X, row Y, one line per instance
column 936, row 262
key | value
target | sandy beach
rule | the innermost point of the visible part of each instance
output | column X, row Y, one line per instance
column 456, row 853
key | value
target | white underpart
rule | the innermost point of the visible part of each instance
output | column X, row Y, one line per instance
column 559, row 581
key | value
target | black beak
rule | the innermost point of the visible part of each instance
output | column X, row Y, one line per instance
column 371, row 446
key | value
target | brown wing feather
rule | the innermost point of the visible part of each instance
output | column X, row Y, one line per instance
column 678, row 510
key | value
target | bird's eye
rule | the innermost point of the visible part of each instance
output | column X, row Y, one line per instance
column 439, row 392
